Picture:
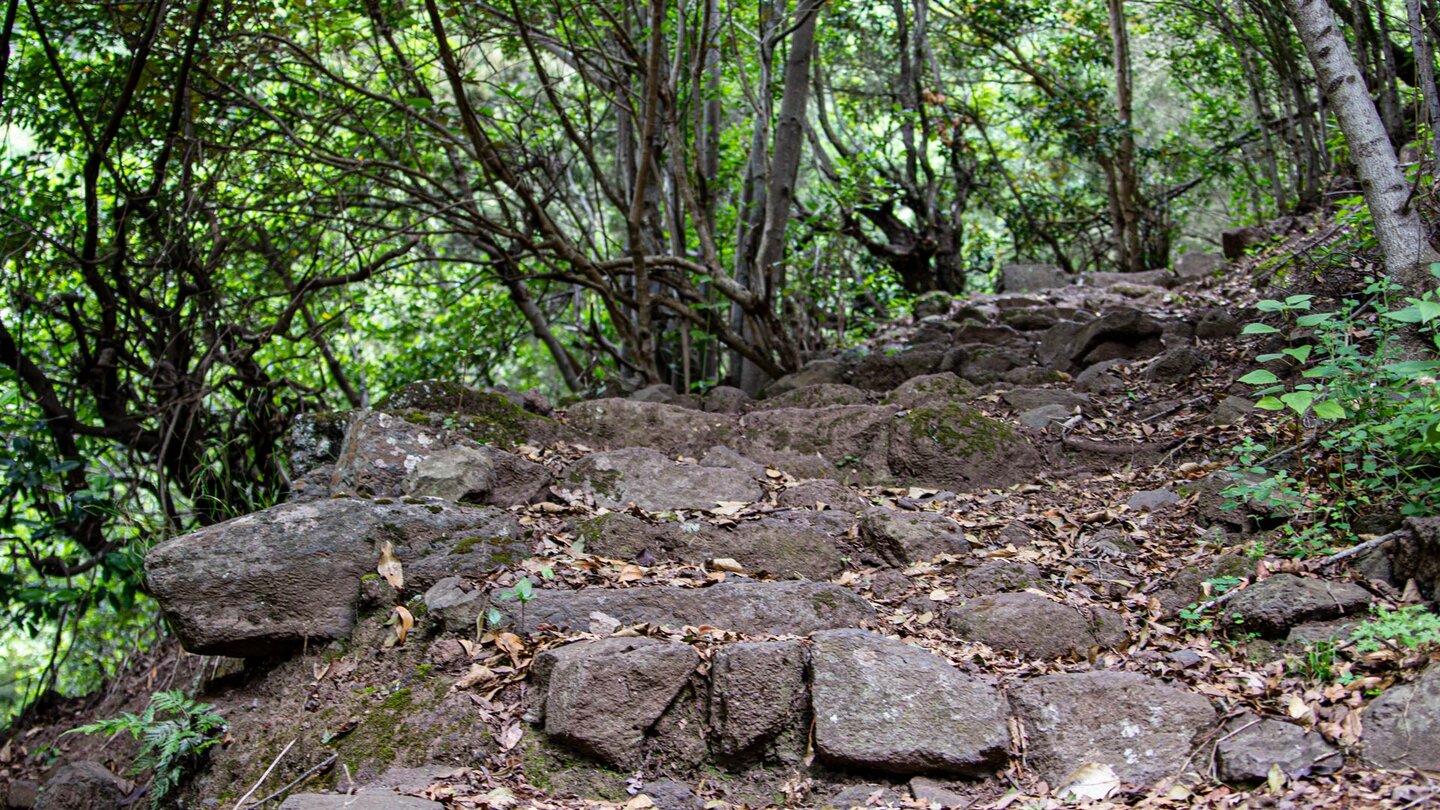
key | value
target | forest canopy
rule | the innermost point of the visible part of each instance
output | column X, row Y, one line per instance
column 219, row 215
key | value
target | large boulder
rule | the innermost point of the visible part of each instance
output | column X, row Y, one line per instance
column 931, row 389
column 650, row 480
column 884, row 370
column 886, row 706
column 957, row 447
column 1134, row 724
column 1128, row 334
column 793, row 607
column 816, row 372
column 757, row 691
column 1403, row 724
column 272, row 580
column 823, row 395
column 498, row 417
column 1036, row 627
column 1251, row 747
column 601, row 697
column 1194, row 264
column 672, row 429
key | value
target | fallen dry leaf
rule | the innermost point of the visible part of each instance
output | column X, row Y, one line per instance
column 389, row 567
column 727, row 564
column 403, row 621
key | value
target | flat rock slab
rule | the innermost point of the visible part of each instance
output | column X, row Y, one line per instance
column 795, row 607
column 1403, row 725
column 271, row 580
column 601, row 697
column 772, row 546
column 1138, row 726
column 477, row 474
column 364, row 800
column 1253, row 746
column 1274, row 605
column 884, row 705
column 655, row 483
column 1036, row 627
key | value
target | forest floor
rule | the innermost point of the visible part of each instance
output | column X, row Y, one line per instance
column 1118, row 517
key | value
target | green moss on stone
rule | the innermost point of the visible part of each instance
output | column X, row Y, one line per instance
column 959, row 430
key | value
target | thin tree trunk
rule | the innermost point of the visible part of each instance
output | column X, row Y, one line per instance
column 1127, row 191
column 1397, row 226
column 1425, row 74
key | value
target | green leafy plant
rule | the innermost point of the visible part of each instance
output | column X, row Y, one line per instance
column 174, row 732
column 1406, row 627
column 1376, row 418
column 522, row 591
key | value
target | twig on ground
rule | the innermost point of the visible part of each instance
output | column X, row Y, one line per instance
column 325, row 763
column 265, row 775
column 1357, row 550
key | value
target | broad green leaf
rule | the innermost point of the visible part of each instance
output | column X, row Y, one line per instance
column 1270, row 404
column 1300, row 353
column 1417, row 312
column 1259, row 377
column 1329, row 409
column 1413, row 368
column 1300, row 301
column 1258, row 329
column 1270, row 306
column 1314, row 319
column 1298, row 401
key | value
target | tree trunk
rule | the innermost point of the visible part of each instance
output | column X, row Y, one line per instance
column 1425, row 75
column 1397, row 226
column 1127, row 186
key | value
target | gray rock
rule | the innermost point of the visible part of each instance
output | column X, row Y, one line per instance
column 456, row 602
column 931, row 389
column 793, row 607
column 1272, row 606
column 1029, row 277
column 1251, row 748
column 1195, row 265
column 478, row 474
column 1031, row 376
column 770, row 545
column 958, row 448
column 1035, row 626
column 653, row 482
column 1101, row 378
column 757, row 691
column 260, row 584
column 1044, row 416
column 659, row 392
column 671, row 429
column 835, row 495
column 1416, row 555
column 314, row 439
column 1128, row 334
column 729, row 459
column 364, row 800
column 1174, row 365
column 935, row 302
column 814, row 373
column 667, row 794
column 1403, row 724
column 904, row 538
column 1231, row 410
column 1138, row 726
column 84, row 784
column 846, row 441
column 998, row 576
column 824, row 395
column 1216, row 323
column 1236, row 241
column 885, row 370
column 1027, row 399
column 601, row 697
column 937, row 795
column 862, row 796
column 1152, row 500
column 20, row 794
column 887, row 706
column 725, row 399
column 1029, row 320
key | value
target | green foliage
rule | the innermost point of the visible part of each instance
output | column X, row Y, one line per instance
column 1377, row 418
column 174, row 732
column 1407, row 628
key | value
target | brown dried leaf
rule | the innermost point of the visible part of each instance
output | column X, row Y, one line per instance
column 389, row 567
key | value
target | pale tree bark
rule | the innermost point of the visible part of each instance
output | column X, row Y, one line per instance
column 1425, row 72
column 1126, row 199
column 1398, row 227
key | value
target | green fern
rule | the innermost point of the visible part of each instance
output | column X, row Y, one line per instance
column 174, row 732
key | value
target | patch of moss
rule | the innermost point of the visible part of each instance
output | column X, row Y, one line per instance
column 825, row 600
column 959, row 430
column 399, row 699
column 486, row 418
column 553, row 769
column 602, row 482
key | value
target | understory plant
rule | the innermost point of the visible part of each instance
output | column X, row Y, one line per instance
column 1362, row 424
column 174, row 732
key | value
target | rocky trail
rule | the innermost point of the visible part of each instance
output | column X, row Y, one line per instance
column 967, row 567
